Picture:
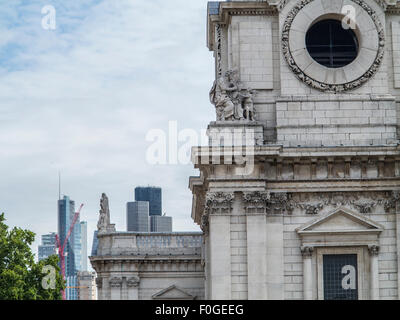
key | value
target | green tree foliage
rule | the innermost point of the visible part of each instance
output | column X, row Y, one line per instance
column 21, row 278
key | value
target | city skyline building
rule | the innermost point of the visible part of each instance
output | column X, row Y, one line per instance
column 95, row 243
column 160, row 224
column 48, row 246
column 153, row 195
column 84, row 246
column 73, row 247
column 137, row 216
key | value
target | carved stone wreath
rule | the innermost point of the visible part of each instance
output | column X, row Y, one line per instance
column 328, row 86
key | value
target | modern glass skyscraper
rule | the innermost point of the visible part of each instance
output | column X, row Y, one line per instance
column 84, row 255
column 160, row 224
column 153, row 195
column 72, row 250
column 137, row 216
column 48, row 246
column 95, row 244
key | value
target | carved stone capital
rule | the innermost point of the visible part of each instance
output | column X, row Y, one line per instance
column 219, row 203
column 373, row 250
column 115, row 282
column 307, row 251
column 256, row 202
column 279, row 203
column 133, row 281
column 99, row 282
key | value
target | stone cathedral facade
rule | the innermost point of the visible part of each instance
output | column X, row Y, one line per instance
column 298, row 192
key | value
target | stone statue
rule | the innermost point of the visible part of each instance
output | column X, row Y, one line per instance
column 231, row 99
column 104, row 218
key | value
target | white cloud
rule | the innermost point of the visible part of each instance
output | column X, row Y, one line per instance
column 82, row 98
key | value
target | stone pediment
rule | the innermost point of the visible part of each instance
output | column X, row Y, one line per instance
column 340, row 221
column 173, row 293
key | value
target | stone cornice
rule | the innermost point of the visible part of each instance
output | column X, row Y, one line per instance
column 262, row 153
column 146, row 259
column 228, row 9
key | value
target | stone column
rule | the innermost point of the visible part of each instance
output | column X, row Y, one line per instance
column 115, row 287
column 133, row 287
column 374, row 272
column 307, row 253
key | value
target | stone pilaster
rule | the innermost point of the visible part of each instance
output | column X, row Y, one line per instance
column 132, row 284
column 307, row 253
column 374, row 272
column 218, row 209
column 255, row 204
column 115, row 286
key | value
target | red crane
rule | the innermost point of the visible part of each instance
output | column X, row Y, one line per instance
column 62, row 248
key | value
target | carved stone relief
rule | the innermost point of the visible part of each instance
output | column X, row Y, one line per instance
column 216, row 203
column 115, row 282
column 363, row 202
column 233, row 101
column 327, row 86
column 314, row 203
column 133, row 281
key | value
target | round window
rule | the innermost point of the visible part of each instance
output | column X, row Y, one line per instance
column 330, row 44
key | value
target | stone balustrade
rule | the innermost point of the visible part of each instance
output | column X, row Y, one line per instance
column 160, row 244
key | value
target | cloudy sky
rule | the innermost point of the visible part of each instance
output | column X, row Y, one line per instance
column 82, row 98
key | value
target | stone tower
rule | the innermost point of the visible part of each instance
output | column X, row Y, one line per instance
column 298, row 193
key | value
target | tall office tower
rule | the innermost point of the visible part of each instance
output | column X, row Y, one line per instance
column 72, row 250
column 137, row 216
column 48, row 246
column 84, row 255
column 95, row 243
column 160, row 224
column 153, row 195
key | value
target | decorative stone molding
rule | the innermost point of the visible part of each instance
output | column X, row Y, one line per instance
column 204, row 224
column 256, row 202
column 133, row 281
column 279, row 203
column 363, row 202
column 307, row 251
column 331, row 87
column 391, row 203
column 373, row 250
column 99, row 282
column 218, row 42
column 283, row 3
column 115, row 282
column 219, row 202
column 216, row 203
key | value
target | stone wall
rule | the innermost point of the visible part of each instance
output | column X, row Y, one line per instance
column 140, row 266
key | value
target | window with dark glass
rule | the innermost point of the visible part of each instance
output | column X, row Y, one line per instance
column 340, row 274
column 330, row 44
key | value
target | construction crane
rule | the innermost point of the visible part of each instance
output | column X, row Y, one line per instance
column 61, row 249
